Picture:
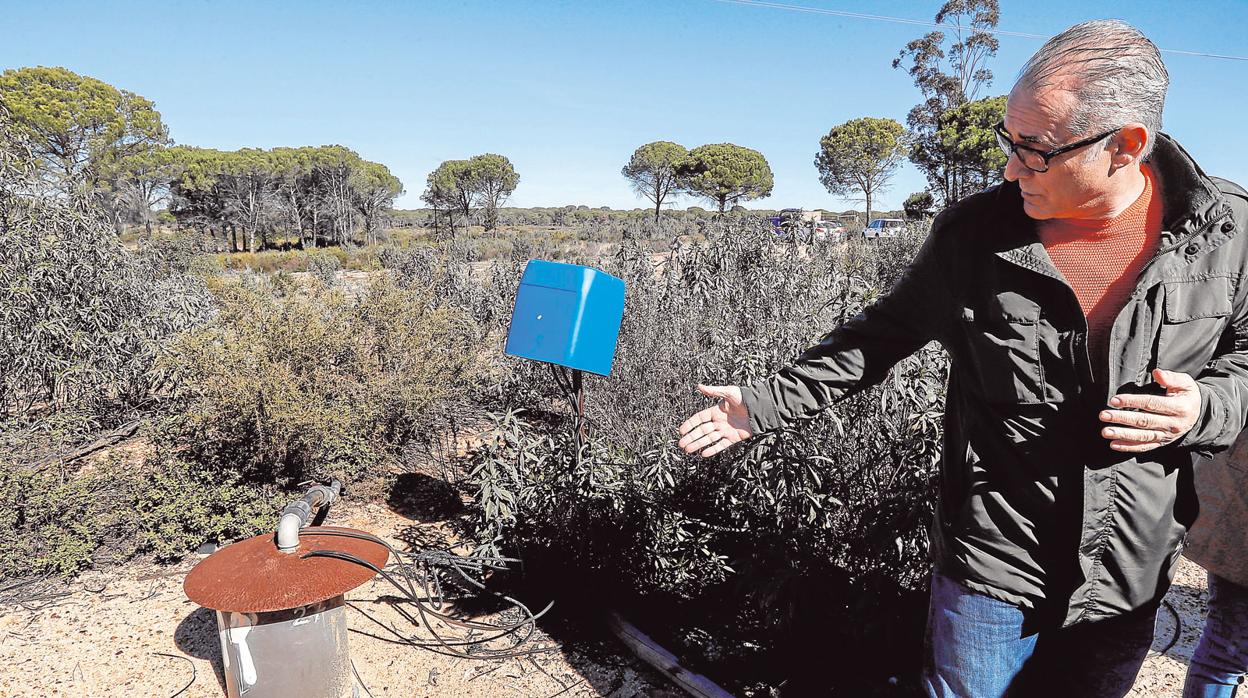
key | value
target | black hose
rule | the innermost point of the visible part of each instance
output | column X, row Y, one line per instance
column 1178, row 627
column 421, row 571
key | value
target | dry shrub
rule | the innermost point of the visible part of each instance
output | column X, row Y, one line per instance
column 316, row 383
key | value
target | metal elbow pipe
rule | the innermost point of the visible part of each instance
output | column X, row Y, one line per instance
column 296, row 514
column 288, row 531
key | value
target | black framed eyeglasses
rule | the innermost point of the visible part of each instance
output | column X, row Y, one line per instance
column 1038, row 160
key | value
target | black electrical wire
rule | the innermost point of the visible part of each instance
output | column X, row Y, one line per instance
column 426, row 558
column 469, row 640
column 419, row 581
column 442, row 644
column 434, row 602
column 360, row 680
column 347, row 557
column 194, row 672
column 1178, row 627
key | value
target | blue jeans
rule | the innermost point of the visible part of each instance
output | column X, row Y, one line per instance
column 977, row 647
column 1221, row 658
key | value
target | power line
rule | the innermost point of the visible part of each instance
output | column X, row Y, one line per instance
column 936, row 25
column 862, row 15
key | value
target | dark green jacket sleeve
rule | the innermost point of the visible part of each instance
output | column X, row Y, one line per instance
column 860, row 352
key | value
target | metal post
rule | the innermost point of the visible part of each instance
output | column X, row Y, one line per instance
column 579, row 388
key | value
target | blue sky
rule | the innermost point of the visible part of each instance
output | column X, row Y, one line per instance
column 567, row 89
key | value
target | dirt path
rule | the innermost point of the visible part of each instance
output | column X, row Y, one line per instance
column 113, row 634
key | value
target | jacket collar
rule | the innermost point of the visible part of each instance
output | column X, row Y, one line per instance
column 1190, row 197
column 1190, row 200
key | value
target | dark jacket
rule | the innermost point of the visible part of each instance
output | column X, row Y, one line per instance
column 1035, row 508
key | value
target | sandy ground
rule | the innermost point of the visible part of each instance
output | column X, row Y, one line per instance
column 115, row 631
column 1163, row 674
column 131, row 632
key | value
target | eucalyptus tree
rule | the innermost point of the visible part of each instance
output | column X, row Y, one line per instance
column 950, row 68
column 653, row 171
column 860, row 156
column 726, row 174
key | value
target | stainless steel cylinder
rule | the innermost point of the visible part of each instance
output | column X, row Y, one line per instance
column 297, row 652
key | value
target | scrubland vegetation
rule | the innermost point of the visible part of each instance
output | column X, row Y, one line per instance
column 187, row 335
column 247, row 380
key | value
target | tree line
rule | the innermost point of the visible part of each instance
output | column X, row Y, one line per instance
column 90, row 139
column 457, row 188
column 323, row 195
column 856, row 159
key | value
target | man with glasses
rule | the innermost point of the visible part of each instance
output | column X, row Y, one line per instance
column 1038, row 160
column 1095, row 313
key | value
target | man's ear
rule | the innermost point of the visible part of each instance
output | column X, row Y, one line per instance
column 1128, row 146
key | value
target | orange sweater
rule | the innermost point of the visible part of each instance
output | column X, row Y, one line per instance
column 1101, row 259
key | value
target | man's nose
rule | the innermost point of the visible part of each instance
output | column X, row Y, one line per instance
column 1015, row 169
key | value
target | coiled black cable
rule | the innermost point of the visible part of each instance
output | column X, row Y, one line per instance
column 421, row 584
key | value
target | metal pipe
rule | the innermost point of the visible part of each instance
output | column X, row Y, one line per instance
column 296, row 514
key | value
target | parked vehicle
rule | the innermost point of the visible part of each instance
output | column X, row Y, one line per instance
column 829, row 231
column 883, row 228
column 797, row 225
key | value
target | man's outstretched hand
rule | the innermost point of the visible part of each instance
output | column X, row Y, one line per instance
column 1138, row 423
column 719, row 426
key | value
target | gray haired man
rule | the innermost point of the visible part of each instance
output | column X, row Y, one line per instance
column 1094, row 310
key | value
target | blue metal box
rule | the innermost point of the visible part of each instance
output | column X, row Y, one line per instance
column 567, row 314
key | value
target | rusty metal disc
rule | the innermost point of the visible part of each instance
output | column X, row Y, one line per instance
column 253, row 576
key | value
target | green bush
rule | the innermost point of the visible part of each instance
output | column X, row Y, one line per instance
column 52, row 525
column 178, row 504
column 324, row 267
column 61, row 519
column 587, row 507
column 846, row 497
column 84, row 324
column 82, row 319
column 315, row 383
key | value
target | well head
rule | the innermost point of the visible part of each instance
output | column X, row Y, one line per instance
column 253, row 576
